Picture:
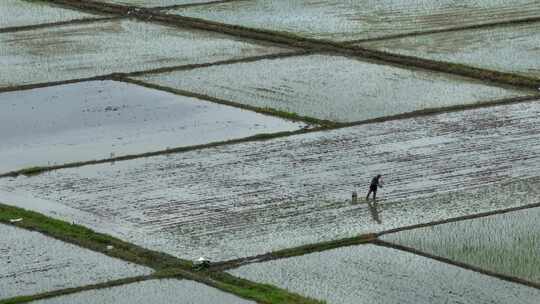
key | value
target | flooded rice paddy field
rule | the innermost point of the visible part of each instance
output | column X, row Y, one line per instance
column 512, row 48
column 16, row 13
column 372, row 274
column 506, row 243
column 87, row 50
column 251, row 198
column 154, row 291
column 155, row 3
column 351, row 20
column 32, row 263
column 331, row 87
column 100, row 119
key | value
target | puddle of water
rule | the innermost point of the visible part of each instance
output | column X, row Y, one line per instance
column 154, row 291
column 506, row 243
column 371, row 274
column 511, row 49
column 32, row 263
column 154, row 3
column 247, row 199
column 362, row 19
column 100, row 119
column 331, row 87
column 15, row 13
column 86, row 50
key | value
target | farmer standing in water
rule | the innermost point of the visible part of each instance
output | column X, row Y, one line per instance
column 375, row 183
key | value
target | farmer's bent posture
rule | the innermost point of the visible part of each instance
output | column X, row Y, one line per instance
column 375, row 183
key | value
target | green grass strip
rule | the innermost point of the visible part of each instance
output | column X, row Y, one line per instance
column 67, row 291
column 166, row 266
column 84, row 237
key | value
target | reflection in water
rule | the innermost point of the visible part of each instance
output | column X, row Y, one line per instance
column 373, row 209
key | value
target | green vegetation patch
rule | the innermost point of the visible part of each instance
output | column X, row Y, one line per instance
column 89, row 239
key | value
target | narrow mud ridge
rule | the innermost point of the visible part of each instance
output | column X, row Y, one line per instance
column 296, row 251
column 504, row 277
column 324, row 126
column 449, row 30
column 265, row 111
column 485, row 75
column 176, row 6
column 167, row 266
column 67, row 291
column 258, row 137
column 52, row 24
column 123, row 76
column 457, row 219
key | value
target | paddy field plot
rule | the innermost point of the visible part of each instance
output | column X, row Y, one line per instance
column 351, row 20
column 102, row 119
column 154, row 291
column 512, row 48
column 17, row 13
column 247, row 199
column 155, row 3
column 506, row 243
column 372, row 274
column 331, row 87
column 32, row 263
column 87, row 50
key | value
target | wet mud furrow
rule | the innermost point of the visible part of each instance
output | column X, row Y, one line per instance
column 251, row 198
column 52, row 24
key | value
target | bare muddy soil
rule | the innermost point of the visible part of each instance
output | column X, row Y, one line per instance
column 371, row 274
column 154, row 3
column 32, row 263
column 154, row 291
column 103, row 119
column 246, row 199
column 86, row 50
column 352, row 20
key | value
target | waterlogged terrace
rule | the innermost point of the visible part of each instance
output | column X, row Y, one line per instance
column 371, row 274
column 506, row 243
column 351, row 20
column 248, row 199
column 94, row 49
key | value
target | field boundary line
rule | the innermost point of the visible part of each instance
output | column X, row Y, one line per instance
column 74, row 290
column 56, row 24
column 458, row 219
column 262, row 136
column 120, row 76
column 449, row 30
column 208, row 98
column 295, row 251
column 470, row 267
column 285, row 38
column 165, row 265
column 178, row 6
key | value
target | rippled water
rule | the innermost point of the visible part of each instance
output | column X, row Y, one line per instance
column 103, row 119
column 372, row 274
column 350, row 20
column 506, row 243
column 15, row 13
column 251, row 198
column 505, row 48
column 155, row 291
column 86, row 50
column 331, row 87
column 32, row 263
